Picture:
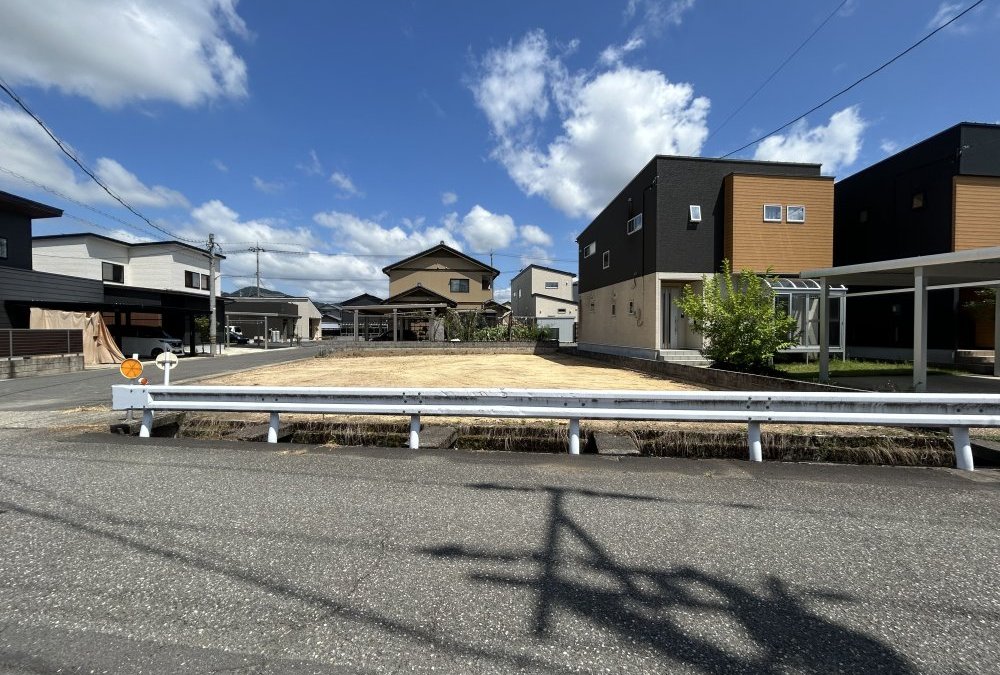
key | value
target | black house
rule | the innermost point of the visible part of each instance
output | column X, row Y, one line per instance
column 938, row 196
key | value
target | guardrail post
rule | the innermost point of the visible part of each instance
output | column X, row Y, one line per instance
column 147, row 423
column 574, row 437
column 753, row 440
column 272, row 429
column 414, row 432
column 963, row 448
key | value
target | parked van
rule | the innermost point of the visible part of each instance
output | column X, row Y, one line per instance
column 150, row 341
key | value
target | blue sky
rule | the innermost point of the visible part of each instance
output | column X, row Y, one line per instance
column 360, row 133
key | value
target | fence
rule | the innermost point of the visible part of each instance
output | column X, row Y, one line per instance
column 958, row 412
column 15, row 342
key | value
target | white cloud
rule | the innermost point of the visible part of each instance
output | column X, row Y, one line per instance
column 501, row 295
column 448, row 198
column 267, row 187
column 116, row 51
column 313, row 167
column 613, row 122
column 483, row 230
column 946, row 11
column 888, row 146
column 612, row 55
column 345, row 184
column 534, row 235
column 220, row 165
column 28, row 151
column 234, row 233
column 536, row 255
column 835, row 145
column 364, row 236
column 655, row 15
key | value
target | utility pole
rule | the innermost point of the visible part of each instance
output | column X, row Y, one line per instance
column 212, row 332
column 257, row 249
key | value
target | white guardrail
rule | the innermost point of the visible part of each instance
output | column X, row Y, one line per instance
column 958, row 412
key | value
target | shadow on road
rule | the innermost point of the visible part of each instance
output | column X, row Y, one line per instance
column 647, row 606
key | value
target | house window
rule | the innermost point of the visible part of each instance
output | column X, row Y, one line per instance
column 612, row 309
column 634, row 224
column 486, row 283
column 204, row 282
column 918, row 200
column 694, row 213
column 606, row 259
column 458, row 285
column 192, row 279
column 796, row 214
column 113, row 272
column 590, row 249
column 561, row 310
column 631, row 307
column 772, row 213
column 551, row 285
column 3, row 248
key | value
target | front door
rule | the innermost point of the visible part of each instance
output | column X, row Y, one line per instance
column 669, row 317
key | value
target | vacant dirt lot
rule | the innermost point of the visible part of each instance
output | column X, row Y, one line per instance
column 469, row 370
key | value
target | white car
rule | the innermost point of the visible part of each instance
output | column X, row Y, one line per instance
column 150, row 341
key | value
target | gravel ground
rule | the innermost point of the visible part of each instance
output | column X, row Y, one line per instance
column 169, row 556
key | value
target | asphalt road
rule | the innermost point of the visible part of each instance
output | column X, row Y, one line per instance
column 187, row 556
column 93, row 386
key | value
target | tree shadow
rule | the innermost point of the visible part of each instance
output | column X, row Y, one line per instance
column 653, row 607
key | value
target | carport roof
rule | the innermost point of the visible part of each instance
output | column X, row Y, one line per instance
column 973, row 266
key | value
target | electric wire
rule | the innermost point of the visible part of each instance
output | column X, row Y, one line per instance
column 17, row 99
column 776, row 71
column 860, row 79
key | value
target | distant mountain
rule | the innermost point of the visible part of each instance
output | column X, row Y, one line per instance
column 251, row 292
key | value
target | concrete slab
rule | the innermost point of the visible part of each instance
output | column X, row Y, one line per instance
column 604, row 443
column 438, row 437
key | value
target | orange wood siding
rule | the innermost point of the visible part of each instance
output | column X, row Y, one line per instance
column 786, row 248
column 976, row 215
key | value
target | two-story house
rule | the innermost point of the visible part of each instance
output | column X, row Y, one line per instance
column 22, row 286
column 675, row 222
column 937, row 196
column 163, row 284
column 545, row 295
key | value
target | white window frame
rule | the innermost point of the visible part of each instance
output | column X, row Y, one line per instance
column 788, row 213
column 633, row 224
column 694, row 213
column 552, row 285
column 590, row 249
column 781, row 211
column 606, row 259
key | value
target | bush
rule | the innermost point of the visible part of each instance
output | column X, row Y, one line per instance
column 738, row 319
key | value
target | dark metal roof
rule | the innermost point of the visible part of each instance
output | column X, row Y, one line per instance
column 27, row 207
column 400, row 298
column 47, row 237
column 439, row 248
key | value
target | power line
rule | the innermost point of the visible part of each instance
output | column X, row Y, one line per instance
column 776, row 71
column 861, row 79
column 17, row 99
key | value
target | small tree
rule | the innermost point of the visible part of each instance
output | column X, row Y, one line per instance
column 738, row 318
column 203, row 324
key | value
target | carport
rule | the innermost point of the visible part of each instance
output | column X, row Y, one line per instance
column 918, row 275
column 408, row 312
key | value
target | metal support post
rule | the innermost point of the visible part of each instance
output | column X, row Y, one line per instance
column 824, row 330
column 919, row 330
column 395, row 325
column 356, row 335
column 166, row 372
column 272, row 428
column 213, row 337
column 753, row 440
column 414, row 432
column 574, row 437
column 963, row 448
column 996, row 332
column 147, row 423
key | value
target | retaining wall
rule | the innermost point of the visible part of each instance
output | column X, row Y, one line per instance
column 29, row 366
column 708, row 377
column 396, row 348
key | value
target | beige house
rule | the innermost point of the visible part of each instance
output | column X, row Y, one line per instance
column 444, row 272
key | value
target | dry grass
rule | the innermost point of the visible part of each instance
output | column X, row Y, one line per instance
column 463, row 370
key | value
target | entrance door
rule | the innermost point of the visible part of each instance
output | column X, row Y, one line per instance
column 669, row 317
